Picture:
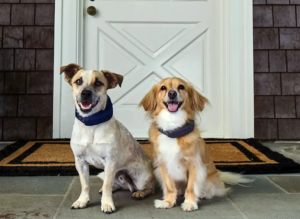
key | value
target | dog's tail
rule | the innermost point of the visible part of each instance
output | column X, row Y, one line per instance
column 234, row 178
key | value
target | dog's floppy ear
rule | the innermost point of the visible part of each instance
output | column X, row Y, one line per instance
column 70, row 70
column 197, row 100
column 149, row 101
column 113, row 79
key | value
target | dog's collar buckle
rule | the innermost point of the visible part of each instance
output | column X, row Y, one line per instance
column 179, row 132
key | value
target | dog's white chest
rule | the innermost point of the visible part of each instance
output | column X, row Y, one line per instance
column 93, row 144
column 170, row 154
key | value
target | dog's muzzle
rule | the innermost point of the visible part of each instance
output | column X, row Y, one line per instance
column 86, row 104
column 173, row 104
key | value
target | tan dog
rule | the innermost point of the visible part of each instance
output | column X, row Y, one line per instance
column 99, row 139
column 183, row 164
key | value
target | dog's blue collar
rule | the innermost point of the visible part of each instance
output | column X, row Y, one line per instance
column 99, row 117
column 181, row 131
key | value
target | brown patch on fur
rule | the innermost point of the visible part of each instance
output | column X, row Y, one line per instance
column 197, row 101
column 149, row 101
column 113, row 79
column 70, row 70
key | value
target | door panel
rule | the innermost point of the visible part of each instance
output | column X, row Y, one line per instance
column 149, row 41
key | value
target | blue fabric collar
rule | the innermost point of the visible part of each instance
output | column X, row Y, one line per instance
column 181, row 131
column 99, row 117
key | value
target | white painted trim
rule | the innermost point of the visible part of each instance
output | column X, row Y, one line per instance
column 237, row 62
column 238, row 69
column 57, row 64
column 249, row 69
column 68, row 22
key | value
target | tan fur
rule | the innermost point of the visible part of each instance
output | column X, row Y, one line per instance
column 191, row 146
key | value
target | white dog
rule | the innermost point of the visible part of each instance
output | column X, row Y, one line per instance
column 100, row 140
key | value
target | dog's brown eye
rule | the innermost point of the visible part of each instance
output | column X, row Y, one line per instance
column 163, row 88
column 180, row 87
column 98, row 83
column 79, row 81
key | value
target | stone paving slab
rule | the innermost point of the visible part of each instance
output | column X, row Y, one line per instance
column 217, row 208
column 290, row 184
column 28, row 206
column 260, row 185
column 35, row 185
column 268, row 206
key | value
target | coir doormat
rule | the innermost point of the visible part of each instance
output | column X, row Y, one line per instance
column 55, row 157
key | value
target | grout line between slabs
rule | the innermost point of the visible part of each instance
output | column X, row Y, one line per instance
column 236, row 208
column 279, row 187
column 63, row 199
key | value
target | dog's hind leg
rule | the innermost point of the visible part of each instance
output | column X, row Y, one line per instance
column 141, row 194
column 83, row 171
column 144, row 183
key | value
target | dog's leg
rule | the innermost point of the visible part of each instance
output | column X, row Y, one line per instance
column 141, row 194
column 196, row 183
column 107, row 204
column 116, row 185
column 145, row 184
column 83, row 171
column 170, row 190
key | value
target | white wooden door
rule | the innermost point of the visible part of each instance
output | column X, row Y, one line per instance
column 149, row 41
column 207, row 42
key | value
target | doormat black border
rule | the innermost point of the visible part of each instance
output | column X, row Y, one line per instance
column 285, row 165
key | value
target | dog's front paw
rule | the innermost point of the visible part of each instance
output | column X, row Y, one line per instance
column 189, row 206
column 162, row 204
column 108, row 208
column 79, row 204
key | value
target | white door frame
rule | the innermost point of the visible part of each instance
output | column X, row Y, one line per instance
column 237, row 61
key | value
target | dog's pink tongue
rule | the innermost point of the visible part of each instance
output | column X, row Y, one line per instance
column 85, row 104
column 172, row 107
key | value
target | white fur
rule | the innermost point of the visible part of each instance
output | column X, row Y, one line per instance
column 170, row 155
column 189, row 206
column 200, row 183
column 161, row 204
column 233, row 178
column 170, row 121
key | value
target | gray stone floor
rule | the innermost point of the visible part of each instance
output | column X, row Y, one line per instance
column 269, row 196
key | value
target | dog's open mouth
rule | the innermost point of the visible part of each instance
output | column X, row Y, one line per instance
column 173, row 106
column 86, row 106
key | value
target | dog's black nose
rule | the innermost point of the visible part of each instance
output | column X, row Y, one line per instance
column 172, row 94
column 85, row 94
